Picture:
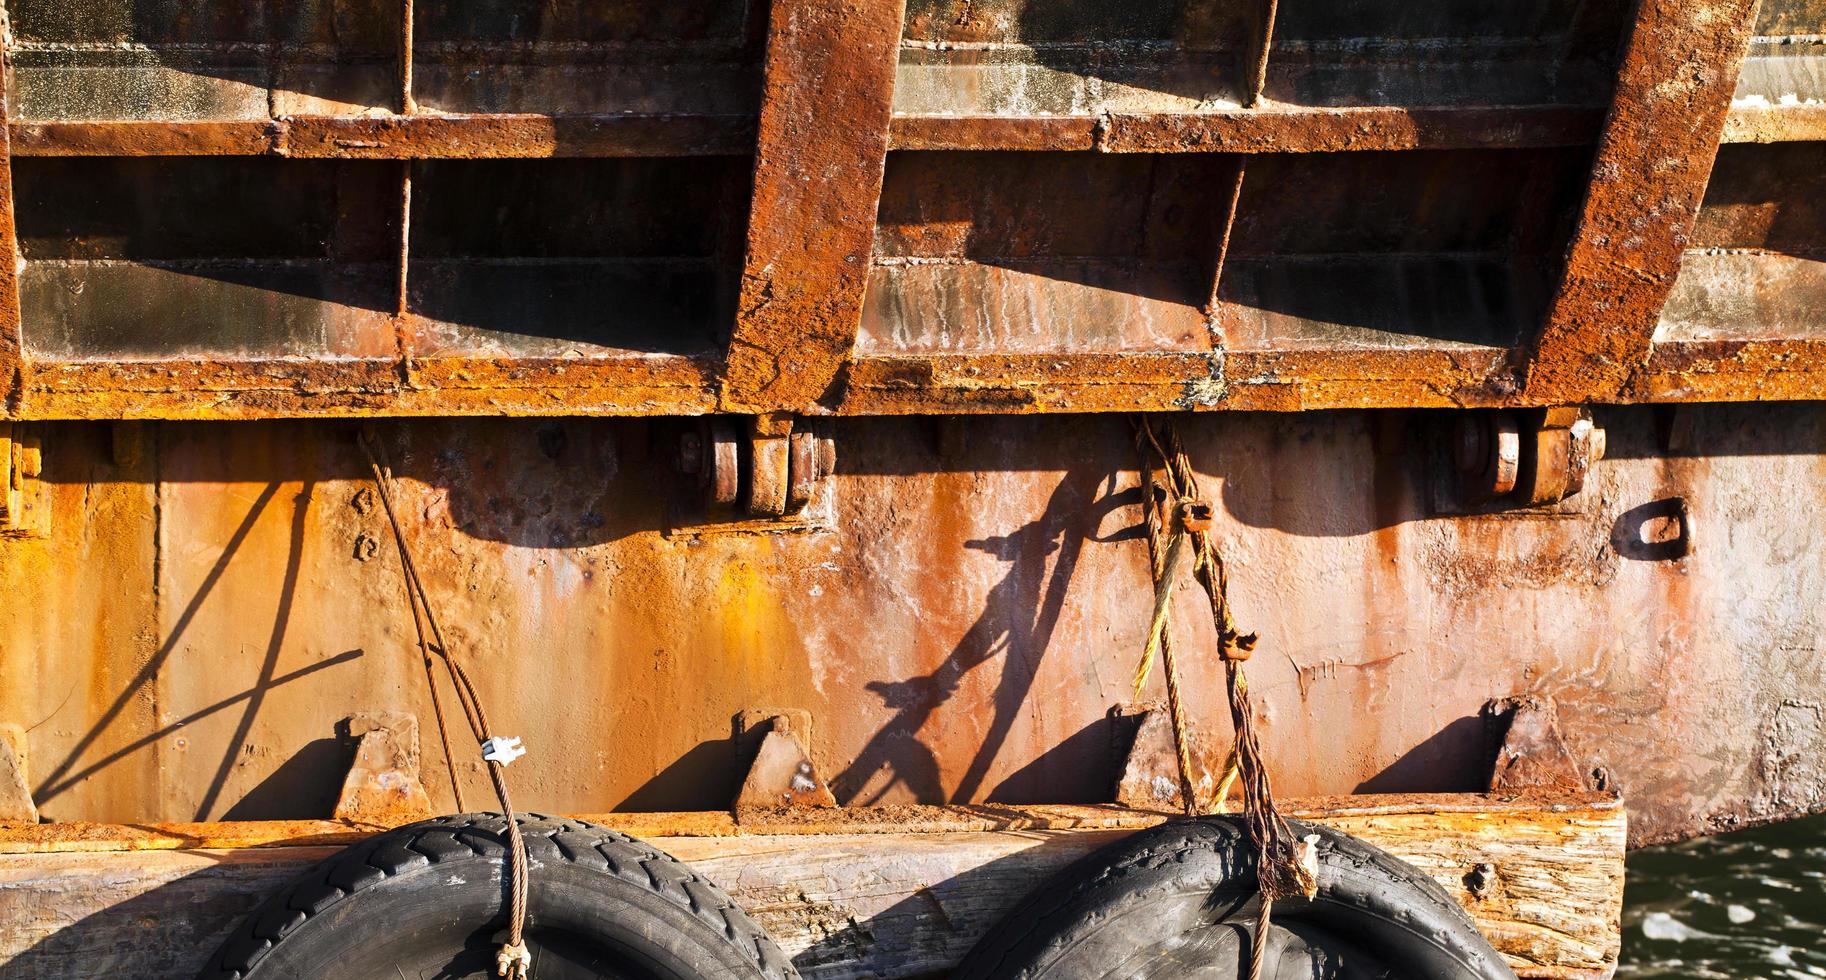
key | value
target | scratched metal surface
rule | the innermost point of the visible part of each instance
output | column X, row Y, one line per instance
column 216, row 598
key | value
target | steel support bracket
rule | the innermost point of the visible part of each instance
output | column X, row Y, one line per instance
column 25, row 510
column 782, row 773
column 1531, row 754
column 16, row 804
column 1150, row 771
column 383, row 785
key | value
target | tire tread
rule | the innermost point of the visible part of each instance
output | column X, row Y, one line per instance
column 431, row 842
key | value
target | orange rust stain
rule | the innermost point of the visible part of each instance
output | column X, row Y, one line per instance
column 749, row 613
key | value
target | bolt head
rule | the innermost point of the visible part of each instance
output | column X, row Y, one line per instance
column 691, row 453
column 1471, row 445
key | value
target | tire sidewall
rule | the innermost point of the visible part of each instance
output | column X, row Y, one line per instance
column 1151, row 888
column 449, row 903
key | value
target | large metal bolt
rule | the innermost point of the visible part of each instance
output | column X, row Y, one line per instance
column 1479, row 880
column 1486, row 449
column 1471, row 448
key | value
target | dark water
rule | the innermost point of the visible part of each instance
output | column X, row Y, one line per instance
column 1748, row 904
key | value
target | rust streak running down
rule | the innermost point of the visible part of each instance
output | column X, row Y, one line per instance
column 827, row 101
column 1674, row 88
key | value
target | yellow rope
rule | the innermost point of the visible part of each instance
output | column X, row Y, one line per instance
column 1282, row 867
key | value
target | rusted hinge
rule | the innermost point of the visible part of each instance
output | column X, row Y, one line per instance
column 1491, row 461
column 761, row 473
column 24, row 503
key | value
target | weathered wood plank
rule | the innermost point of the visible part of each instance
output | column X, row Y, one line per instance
column 884, row 898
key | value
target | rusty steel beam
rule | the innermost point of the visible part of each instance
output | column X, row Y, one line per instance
column 1731, row 371
column 242, row 137
column 1280, row 381
column 422, row 136
column 1273, row 130
column 1037, row 133
column 827, row 98
column 1320, row 130
column 1290, row 380
column 1678, row 70
column 12, row 342
column 430, row 136
column 642, row 384
column 1286, row 380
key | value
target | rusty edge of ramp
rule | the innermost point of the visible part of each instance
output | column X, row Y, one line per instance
column 1542, row 875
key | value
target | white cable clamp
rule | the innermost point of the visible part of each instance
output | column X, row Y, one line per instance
column 502, row 750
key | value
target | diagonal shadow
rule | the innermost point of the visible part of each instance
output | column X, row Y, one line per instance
column 198, row 715
column 288, row 589
column 1019, row 616
column 58, row 779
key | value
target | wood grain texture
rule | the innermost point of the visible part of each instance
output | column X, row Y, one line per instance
column 872, row 902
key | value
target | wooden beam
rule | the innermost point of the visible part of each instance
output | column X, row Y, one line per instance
column 854, row 895
column 827, row 99
column 1678, row 69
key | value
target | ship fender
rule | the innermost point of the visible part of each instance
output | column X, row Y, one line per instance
column 1180, row 901
column 429, row 900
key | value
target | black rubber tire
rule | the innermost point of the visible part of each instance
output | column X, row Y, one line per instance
column 1180, row 901
column 429, row 901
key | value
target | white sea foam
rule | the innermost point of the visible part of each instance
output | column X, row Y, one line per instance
column 1660, row 925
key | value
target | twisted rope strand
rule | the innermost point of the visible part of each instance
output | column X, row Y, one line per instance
column 511, row 962
column 1160, row 635
column 1279, row 872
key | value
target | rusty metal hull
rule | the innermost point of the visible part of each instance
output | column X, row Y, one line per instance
column 959, row 612
column 316, row 209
